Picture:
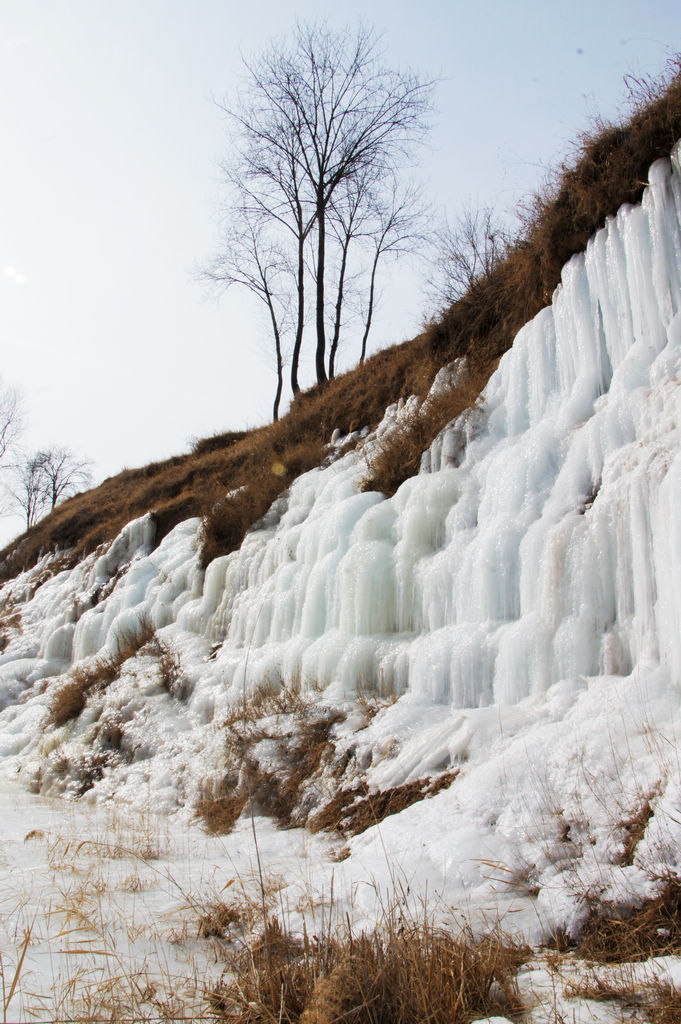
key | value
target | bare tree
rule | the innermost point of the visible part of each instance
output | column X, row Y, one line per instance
column 314, row 121
column 43, row 479
column 469, row 250
column 63, row 473
column 28, row 488
column 264, row 180
column 11, row 419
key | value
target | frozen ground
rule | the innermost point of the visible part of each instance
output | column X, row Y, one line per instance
column 507, row 624
column 112, row 914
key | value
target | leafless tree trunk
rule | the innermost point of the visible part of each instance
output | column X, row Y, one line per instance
column 256, row 262
column 397, row 228
column 349, row 215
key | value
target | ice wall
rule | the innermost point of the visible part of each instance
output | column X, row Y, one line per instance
column 538, row 544
column 551, row 551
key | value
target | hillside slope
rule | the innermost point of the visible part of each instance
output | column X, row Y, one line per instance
column 609, row 168
column 488, row 661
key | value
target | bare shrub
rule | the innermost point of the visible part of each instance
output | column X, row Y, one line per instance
column 80, row 771
column 469, row 250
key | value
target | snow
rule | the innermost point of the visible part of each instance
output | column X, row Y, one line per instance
column 520, row 598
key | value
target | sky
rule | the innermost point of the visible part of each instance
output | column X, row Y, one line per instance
column 110, row 187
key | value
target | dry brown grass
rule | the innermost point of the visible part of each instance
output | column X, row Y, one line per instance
column 407, row 973
column 642, row 998
column 299, row 730
column 651, row 929
column 620, row 986
column 609, row 167
column 10, row 621
column 216, row 918
column 396, row 456
column 291, row 786
column 352, row 811
column 271, row 467
column 664, row 1005
column 634, row 829
column 279, row 793
column 171, row 674
column 220, row 814
column 70, row 697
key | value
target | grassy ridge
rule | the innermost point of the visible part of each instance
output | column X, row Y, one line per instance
column 609, row 167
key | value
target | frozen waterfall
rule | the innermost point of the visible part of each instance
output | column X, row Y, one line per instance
column 544, row 549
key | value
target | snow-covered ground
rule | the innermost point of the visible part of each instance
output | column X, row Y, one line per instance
column 511, row 617
column 111, row 914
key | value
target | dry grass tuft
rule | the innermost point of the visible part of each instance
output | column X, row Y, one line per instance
column 407, row 973
column 267, row 700
column 10, row 621
column 664, row 1005
column 396, row 456
column 634, row 830
column 620, row 987
column 71, row 696
column 298, row 730
column 220, row 814
column 171, row 674
column 215, row 919
column 352, row 811
column 652, row 929
column 95, row 676
column 641, row 998
column 279, row 793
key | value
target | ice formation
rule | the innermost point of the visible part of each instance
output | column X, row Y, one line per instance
column 518, row 591
column 549, row 552
column 544, row 548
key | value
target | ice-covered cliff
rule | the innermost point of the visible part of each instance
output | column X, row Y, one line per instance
column 538, row 545
column 521, row 596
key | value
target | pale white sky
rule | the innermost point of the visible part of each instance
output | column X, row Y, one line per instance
column 109, row 187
